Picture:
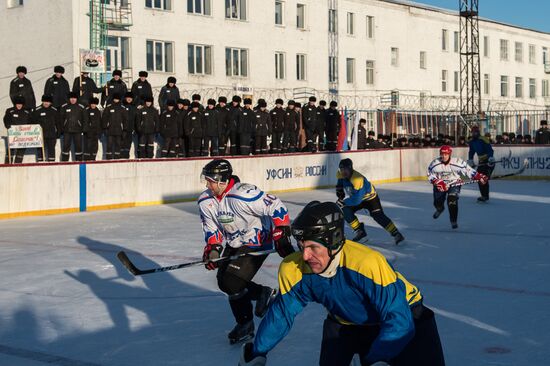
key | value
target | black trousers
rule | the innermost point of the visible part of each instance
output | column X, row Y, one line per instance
column 234, row 143
column 289, row 141
column 222, row 145
column 126, row 144
column 484, row 188
column 16, row 156
column 169, row 147
column 276, row 138
column 452, row 196
column 374, row 206
column 341, row 342
column 91, row 143
column 113, row 146
column 68, row 140
column 245, row 139
column 332, row 140
column 180, row 148
column 235, row 279
column 146, row 145
column 195, row 146
column 212, row 142
column 320, row 135
column 260, row 145
column 49, row 149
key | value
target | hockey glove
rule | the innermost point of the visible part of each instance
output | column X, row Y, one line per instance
column 481, row 178
column 281, row 238
column 211, row 251
column 340, row 193
column 248, row 359
column 440, row 185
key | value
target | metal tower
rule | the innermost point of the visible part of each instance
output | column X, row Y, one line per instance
column 470, row 70
column 333, row 44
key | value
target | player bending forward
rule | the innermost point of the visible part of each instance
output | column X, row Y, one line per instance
column 445, row 173
column 373, row 311
column 248, row 220
column 361, row 195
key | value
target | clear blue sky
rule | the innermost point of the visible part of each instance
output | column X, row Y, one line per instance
column 534, row 14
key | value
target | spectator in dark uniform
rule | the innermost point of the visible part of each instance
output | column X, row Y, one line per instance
column 22, row 87
column 16, row 115
column 235, row 115
column 85, row 87
column 114, row 120
column 141, row 88
column 194, row 130
column 73, row 118
column 309, row 123
column 332, row 126
column 48, row 118
column 114, row 86
column 128, row 132
column 58, row 87
column 262, row 129
column 92, row 130
column 147, row 126
column 542, row 136
column 278, row 126
column 223, row 121
column 299, row 126
column 369, row 143
column 168, row 92
column 362, row 135
column 183, row 110
column 168, row 126
column 246, row 128
column 321, row 122
column 291, row 124
column 211, row 124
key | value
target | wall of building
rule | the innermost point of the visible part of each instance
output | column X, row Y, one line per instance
column 63, row 188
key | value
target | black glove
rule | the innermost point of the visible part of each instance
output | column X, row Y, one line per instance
column 281, row 238
column 211, row 251
column 340, row 193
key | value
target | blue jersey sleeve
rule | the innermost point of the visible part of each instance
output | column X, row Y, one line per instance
column 362, row 187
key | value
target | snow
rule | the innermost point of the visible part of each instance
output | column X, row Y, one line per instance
column 66, row 300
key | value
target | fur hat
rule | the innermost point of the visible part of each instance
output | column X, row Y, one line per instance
column 247, row 101
column 22, row 69
column 222, row 100
column 236, row 99
column 171, row 79
column 117, row 72
column 47, row 98
column 94, row 100
column 143, row 74
column 279, row 101
column 59, row 69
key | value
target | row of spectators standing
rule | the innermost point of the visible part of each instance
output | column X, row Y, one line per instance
column 182, row 127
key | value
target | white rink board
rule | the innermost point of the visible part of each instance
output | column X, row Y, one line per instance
column 61, row 188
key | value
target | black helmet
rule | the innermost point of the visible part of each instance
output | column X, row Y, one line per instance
column 218, row 170
column 321, row 222
column 345, row 164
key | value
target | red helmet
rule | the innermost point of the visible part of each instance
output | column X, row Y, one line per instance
column 446, row 149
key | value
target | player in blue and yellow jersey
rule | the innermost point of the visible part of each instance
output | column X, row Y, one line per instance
column 373, row 311
column 481, row 146
column 361, row 195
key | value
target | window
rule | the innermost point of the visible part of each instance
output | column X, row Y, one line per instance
column 14, row 3
column 301, row 67
column 160, row 56
column 519, row 52
column 395, row 56
column 532, row 88
column 350, row 70
column 503, row 50
column 159, row 4
column 423, row 60
column 545, row 91
column 332, row 69
column 351, row 24
column 370, row 72
column 444, row 80
column 544, row 55
column 280, row 65
column 503, row 86
column 279, row 11
column 457, row 42
column 444, row 40
column 456, row 81
column 486, row 46
column 300, row 16
column 532, row 54
column 332, row 21
column 201, row 7
column 369, row 116
column 117, row 54
column 519, row 87
column 370, row 26
column 236, row 62
column 486, row 84
column 199, row 59
column 235, row 9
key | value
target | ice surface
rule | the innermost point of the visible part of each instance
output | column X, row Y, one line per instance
column 66, row 300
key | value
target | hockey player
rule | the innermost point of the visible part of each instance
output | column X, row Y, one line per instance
column 373, row 310
column 361, row 195
column 248, row 220
column 445, row 173
column 481, row 146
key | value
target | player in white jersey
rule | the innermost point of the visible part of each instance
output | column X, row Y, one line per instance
column 246, row 219
column 446, row 173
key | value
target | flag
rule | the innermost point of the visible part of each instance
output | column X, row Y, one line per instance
column 343, row 133
column 355, row 133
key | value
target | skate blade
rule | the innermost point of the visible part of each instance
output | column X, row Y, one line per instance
column 241, row 340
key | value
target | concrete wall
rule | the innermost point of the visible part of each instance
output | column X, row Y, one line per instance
column 60, row 188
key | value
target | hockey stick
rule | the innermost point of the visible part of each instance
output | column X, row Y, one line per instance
column 123, row 257
column 496, row 162
column 521, row 170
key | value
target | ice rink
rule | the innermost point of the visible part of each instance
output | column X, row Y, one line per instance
column 66, row 300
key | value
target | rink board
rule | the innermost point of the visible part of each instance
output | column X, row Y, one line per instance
column 42, row 189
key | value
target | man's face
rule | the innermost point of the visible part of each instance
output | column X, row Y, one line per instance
column 216, row 188
column 148, row 104
column 315, row 255
column 116, row 77
column 171, row 85
column 58, row 75
column 129, row 100
column 142, row 78
column 84, row 75
column 72, row 100
column 291, row 106
column 46, row 104
column 19, row 106
column 21, row 75
column 346, row 172
column 445, row 157
column 222, row 104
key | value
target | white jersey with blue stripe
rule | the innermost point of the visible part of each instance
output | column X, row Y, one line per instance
column 452, row 172
column 243, row 216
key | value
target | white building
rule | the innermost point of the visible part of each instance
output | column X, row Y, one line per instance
column 279, row 47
